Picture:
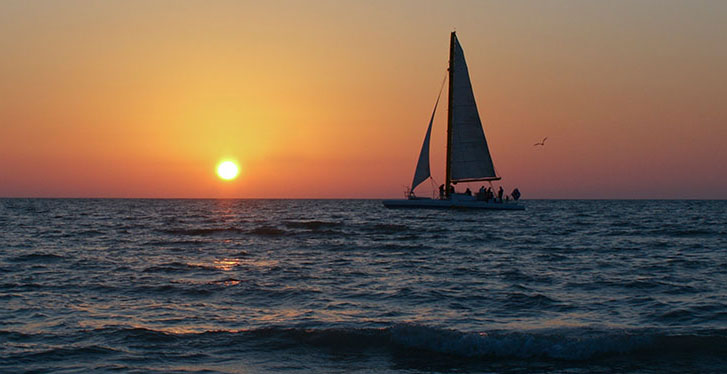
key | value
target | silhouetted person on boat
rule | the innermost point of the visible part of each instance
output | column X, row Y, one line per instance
column 515, row 194
column 441, row 191
column 468, row 192
column 499, row 193
column 481, row 193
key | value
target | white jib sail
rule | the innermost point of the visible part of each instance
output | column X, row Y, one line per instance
column 470, row 156
column 422, row 171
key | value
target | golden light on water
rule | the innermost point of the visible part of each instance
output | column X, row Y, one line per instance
column 228, row 170
column 226, row 264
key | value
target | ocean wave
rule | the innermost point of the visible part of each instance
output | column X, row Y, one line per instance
column 137, row 334
column 682, row 232
column 561, row 344
column 176, row 242
column 401, row 247
column 178, row 267
column 267, row 231
column 37, row 257
column 203, row 231
column 260, row 231
column 63, row 353
column 87, row 233
column 521, row 300
column 567, row 344
column 386, row 228
column 15, row 336
column 187, row 289
column 311, row 225
column 10, row 286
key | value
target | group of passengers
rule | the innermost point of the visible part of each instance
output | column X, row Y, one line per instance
column 485, row 194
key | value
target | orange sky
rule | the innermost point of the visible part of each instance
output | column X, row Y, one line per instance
column 332, row 98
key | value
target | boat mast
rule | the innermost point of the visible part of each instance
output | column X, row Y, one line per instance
column 448, row 182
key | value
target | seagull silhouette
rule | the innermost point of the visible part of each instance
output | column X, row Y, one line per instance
column 542, row 142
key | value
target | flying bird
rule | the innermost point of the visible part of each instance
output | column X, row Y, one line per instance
column 542, row 142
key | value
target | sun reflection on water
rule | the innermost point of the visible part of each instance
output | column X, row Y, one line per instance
column 226, row 264
column 229, row 264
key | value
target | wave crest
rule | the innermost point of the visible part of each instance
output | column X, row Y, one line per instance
column 204, row 231
column 311, row 225
column 37, row 257
column 574, row 344
column 567, row 344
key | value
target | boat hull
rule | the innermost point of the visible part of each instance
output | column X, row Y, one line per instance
column 450, row 204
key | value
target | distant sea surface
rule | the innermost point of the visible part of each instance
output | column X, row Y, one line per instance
column 347, row 286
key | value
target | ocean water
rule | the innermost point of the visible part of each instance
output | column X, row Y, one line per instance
column 344, row 286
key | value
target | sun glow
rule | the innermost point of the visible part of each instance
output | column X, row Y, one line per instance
column 227, row 170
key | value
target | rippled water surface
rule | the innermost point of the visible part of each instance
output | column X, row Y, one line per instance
column 247, row 286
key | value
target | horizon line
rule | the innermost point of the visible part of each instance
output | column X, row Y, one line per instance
column 331, row 198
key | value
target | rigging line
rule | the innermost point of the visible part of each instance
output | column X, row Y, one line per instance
column 441, row 88
column 434, row 186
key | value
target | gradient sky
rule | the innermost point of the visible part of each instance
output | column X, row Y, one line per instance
column 332, row 98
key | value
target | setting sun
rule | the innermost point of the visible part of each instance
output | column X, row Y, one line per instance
column 227, row 170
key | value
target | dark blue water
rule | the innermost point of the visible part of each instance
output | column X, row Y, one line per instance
column 248, row 286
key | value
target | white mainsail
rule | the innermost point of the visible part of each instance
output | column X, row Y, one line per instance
column 470, row 156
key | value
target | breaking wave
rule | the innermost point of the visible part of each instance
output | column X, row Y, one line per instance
column 567, row 344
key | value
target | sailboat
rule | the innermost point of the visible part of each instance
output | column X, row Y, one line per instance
column 468, row 156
